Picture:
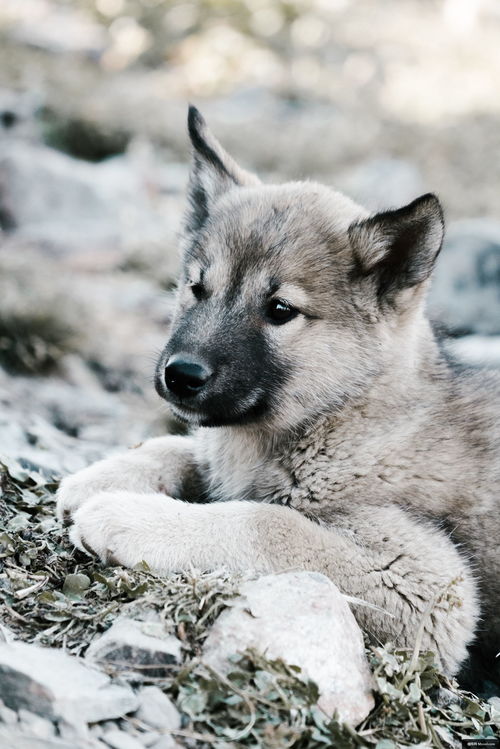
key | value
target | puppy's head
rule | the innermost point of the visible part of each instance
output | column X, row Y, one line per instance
column 290, row 295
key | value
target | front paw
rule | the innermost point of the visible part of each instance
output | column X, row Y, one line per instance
column 73, row 492
column 104, row 476
column 121, row 528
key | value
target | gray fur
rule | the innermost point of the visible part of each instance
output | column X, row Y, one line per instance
column 340, row 441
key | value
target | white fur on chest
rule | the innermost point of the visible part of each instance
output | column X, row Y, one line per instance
column 240, row 465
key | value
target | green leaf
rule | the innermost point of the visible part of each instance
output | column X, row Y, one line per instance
column 75, row 584
column 445, row 735
column 414, row 693
column 193, row 704
column 472, row 709
column 7, row 545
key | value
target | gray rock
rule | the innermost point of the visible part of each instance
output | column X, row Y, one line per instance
column 120, row 740
column 17, row 114
column 40, row 727
column 167, row 742
column 16, row 738
column 149, row 738
column 6, row 634
column 77, row 732
column 69, row 205
column 69, row 195
column 495, row 704
column 476, row 350
column 55, row 685
column 96, row 731
column 465, row 291
column 157, row 710
column 302, row 618
column 7, row 715
column 34, row 441
column 131, row 645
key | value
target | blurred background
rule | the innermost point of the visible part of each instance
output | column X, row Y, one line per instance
column 384, row 100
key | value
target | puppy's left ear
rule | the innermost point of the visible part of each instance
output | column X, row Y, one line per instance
column 213, row 171
column 398, row 249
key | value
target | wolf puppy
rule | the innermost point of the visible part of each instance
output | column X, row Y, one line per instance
column 332, row 434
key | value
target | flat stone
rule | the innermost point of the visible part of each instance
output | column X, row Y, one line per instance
column 303, row 619
column 131, row 645
column 55, row 685
column 157, row 710
column 14, row 738
column 6, row 634
column 37, row 725
column 167, row 742
column 495, row 701
column 75, row 731
column 96, row 731
column 7, row 715
column 149, row 738
column 120, row 740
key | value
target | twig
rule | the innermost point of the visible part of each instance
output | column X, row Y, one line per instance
column 20, row 594
column 245, row 698
column 421, row 719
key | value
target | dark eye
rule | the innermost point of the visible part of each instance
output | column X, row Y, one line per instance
column 197, row 290
column 279, row 312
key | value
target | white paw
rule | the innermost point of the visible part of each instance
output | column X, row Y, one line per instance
column 106, row 475
column 72, row 493
column 122, row 527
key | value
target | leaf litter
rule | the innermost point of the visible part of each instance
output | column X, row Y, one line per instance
column 53, row 595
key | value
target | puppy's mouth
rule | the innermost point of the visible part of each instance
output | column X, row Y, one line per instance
column 188, row 414
column 248, row 409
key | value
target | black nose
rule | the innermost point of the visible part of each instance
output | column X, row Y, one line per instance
column 185, row 378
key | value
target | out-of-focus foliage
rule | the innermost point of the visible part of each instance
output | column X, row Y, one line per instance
column 309, row 47
column 407, row 57
column 293, row 87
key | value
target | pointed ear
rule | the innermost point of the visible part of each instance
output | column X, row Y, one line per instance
column 213, row 172
column 397, row 249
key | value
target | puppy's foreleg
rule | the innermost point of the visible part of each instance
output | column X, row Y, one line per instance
column 382, row 555
column 162, row 464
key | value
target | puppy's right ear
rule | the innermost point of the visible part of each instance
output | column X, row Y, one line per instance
column 213, row 172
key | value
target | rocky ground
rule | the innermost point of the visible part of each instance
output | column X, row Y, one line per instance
column 93, row 168
column 94, row 657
